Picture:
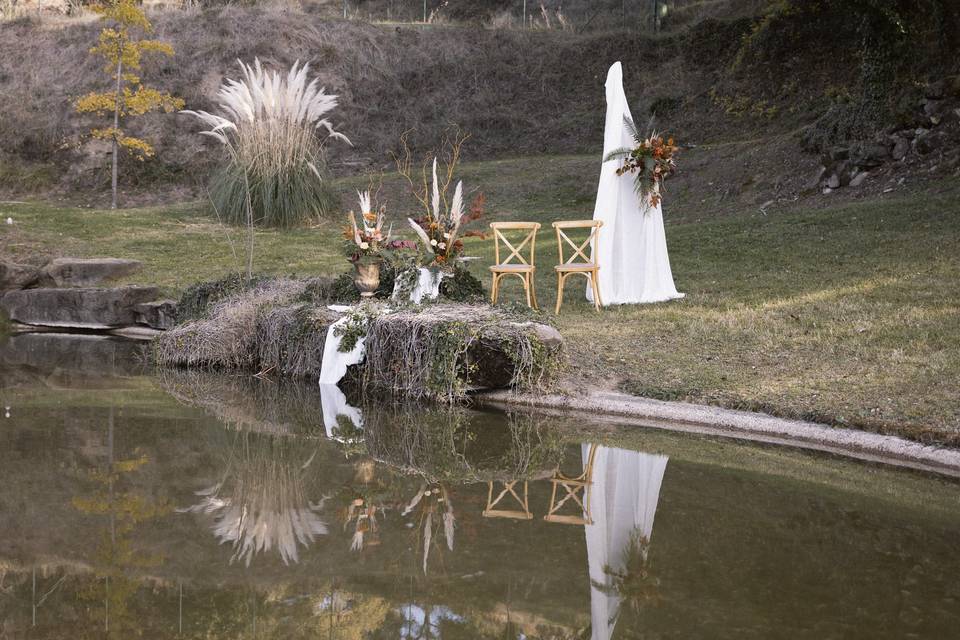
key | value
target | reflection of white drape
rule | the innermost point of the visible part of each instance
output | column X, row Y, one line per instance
column 334, row 404
column 623, row 500
column 632, row 249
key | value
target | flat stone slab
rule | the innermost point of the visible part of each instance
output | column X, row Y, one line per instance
column 81, row 308
column 161, row 314
column 89, row 272
column 17, row 276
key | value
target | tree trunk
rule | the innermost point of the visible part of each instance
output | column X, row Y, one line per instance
column 116, row 128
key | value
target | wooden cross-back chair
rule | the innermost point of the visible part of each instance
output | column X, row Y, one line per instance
column 579, row 262
column 521, row 513
column 577, row 489
column 523, row 268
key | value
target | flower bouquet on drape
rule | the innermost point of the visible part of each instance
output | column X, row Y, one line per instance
column 650, row 161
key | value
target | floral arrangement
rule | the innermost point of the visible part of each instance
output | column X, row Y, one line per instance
column 366, row 240
column 440, row 229
column 651, row 161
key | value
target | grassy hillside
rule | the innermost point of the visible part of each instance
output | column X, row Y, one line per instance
column 518, row 92
column 847, row 313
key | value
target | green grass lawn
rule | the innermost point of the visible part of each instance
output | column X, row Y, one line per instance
column 848, row 315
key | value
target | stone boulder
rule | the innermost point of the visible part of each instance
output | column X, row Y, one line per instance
column 17, row 276
column 82, row 308
column 869, row 154
column 901, row 147
column 161, row 314
column 78, row 272
column 930, row 141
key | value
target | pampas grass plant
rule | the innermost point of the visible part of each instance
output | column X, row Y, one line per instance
column 269, row 127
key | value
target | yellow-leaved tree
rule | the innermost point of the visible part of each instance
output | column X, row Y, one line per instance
column 121, row 46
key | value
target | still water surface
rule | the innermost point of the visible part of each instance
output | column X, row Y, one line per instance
column 185, row 505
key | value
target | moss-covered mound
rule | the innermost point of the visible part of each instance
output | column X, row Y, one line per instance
column 440, row 351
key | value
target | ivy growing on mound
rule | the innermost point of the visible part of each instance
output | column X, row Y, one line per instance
column 197, row 298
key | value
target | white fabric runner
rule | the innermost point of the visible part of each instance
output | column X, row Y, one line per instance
column 623, row 502
column 632, row 250
column 334, row 364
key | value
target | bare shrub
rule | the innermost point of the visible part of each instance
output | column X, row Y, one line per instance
column 228, row 337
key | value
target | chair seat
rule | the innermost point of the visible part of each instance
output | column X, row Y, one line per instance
column 576, row 266
column 513, row 268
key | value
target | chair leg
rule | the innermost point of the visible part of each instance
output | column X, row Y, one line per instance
column 559, row 292
column 493, row 289
column 533, row 291
column 596, row 289
column 595, row 285
column 526, row 289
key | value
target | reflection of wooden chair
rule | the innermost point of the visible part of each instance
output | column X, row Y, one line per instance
column 508, row 488
column 579, row 262
column 523, row 269
column 577, row 488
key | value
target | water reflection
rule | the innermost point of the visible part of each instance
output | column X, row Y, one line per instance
column 410, row 522
column 624, row 495
column 122, row 509
column 263, row 501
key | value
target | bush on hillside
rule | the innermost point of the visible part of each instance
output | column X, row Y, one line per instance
column 892, row 44
column 272, row 174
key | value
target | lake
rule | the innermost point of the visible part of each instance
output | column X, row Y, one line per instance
column 182, row 504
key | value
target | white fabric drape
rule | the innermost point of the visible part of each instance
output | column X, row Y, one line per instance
column 334, row 404
column 632, row 249
column 334, row 364
column 426, row 287
column 623, row 502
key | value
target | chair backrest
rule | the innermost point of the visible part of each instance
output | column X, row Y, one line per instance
column 515, row 250
column 579, row 250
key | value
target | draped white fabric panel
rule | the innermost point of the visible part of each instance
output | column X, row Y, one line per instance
column 632, row 251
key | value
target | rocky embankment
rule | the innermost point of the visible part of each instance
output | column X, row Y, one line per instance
column 66, row 293
column 926, row 139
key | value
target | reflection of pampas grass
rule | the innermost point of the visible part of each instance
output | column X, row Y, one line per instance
column 261, row 503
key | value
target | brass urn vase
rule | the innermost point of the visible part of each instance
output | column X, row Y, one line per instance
column 367, row 277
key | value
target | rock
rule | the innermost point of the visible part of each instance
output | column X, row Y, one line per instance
column 869, row 154
column 936, row 90
column 548, row 335
column 901, row 147
column 934, row 107
column 77, row 272
column 839, row 153
column 952, row 86
column 17, row 276
column 161, row 314
column 833, row 182
column 859, row 178
column 930, row 142
column 821, row 174
column 84, row 308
